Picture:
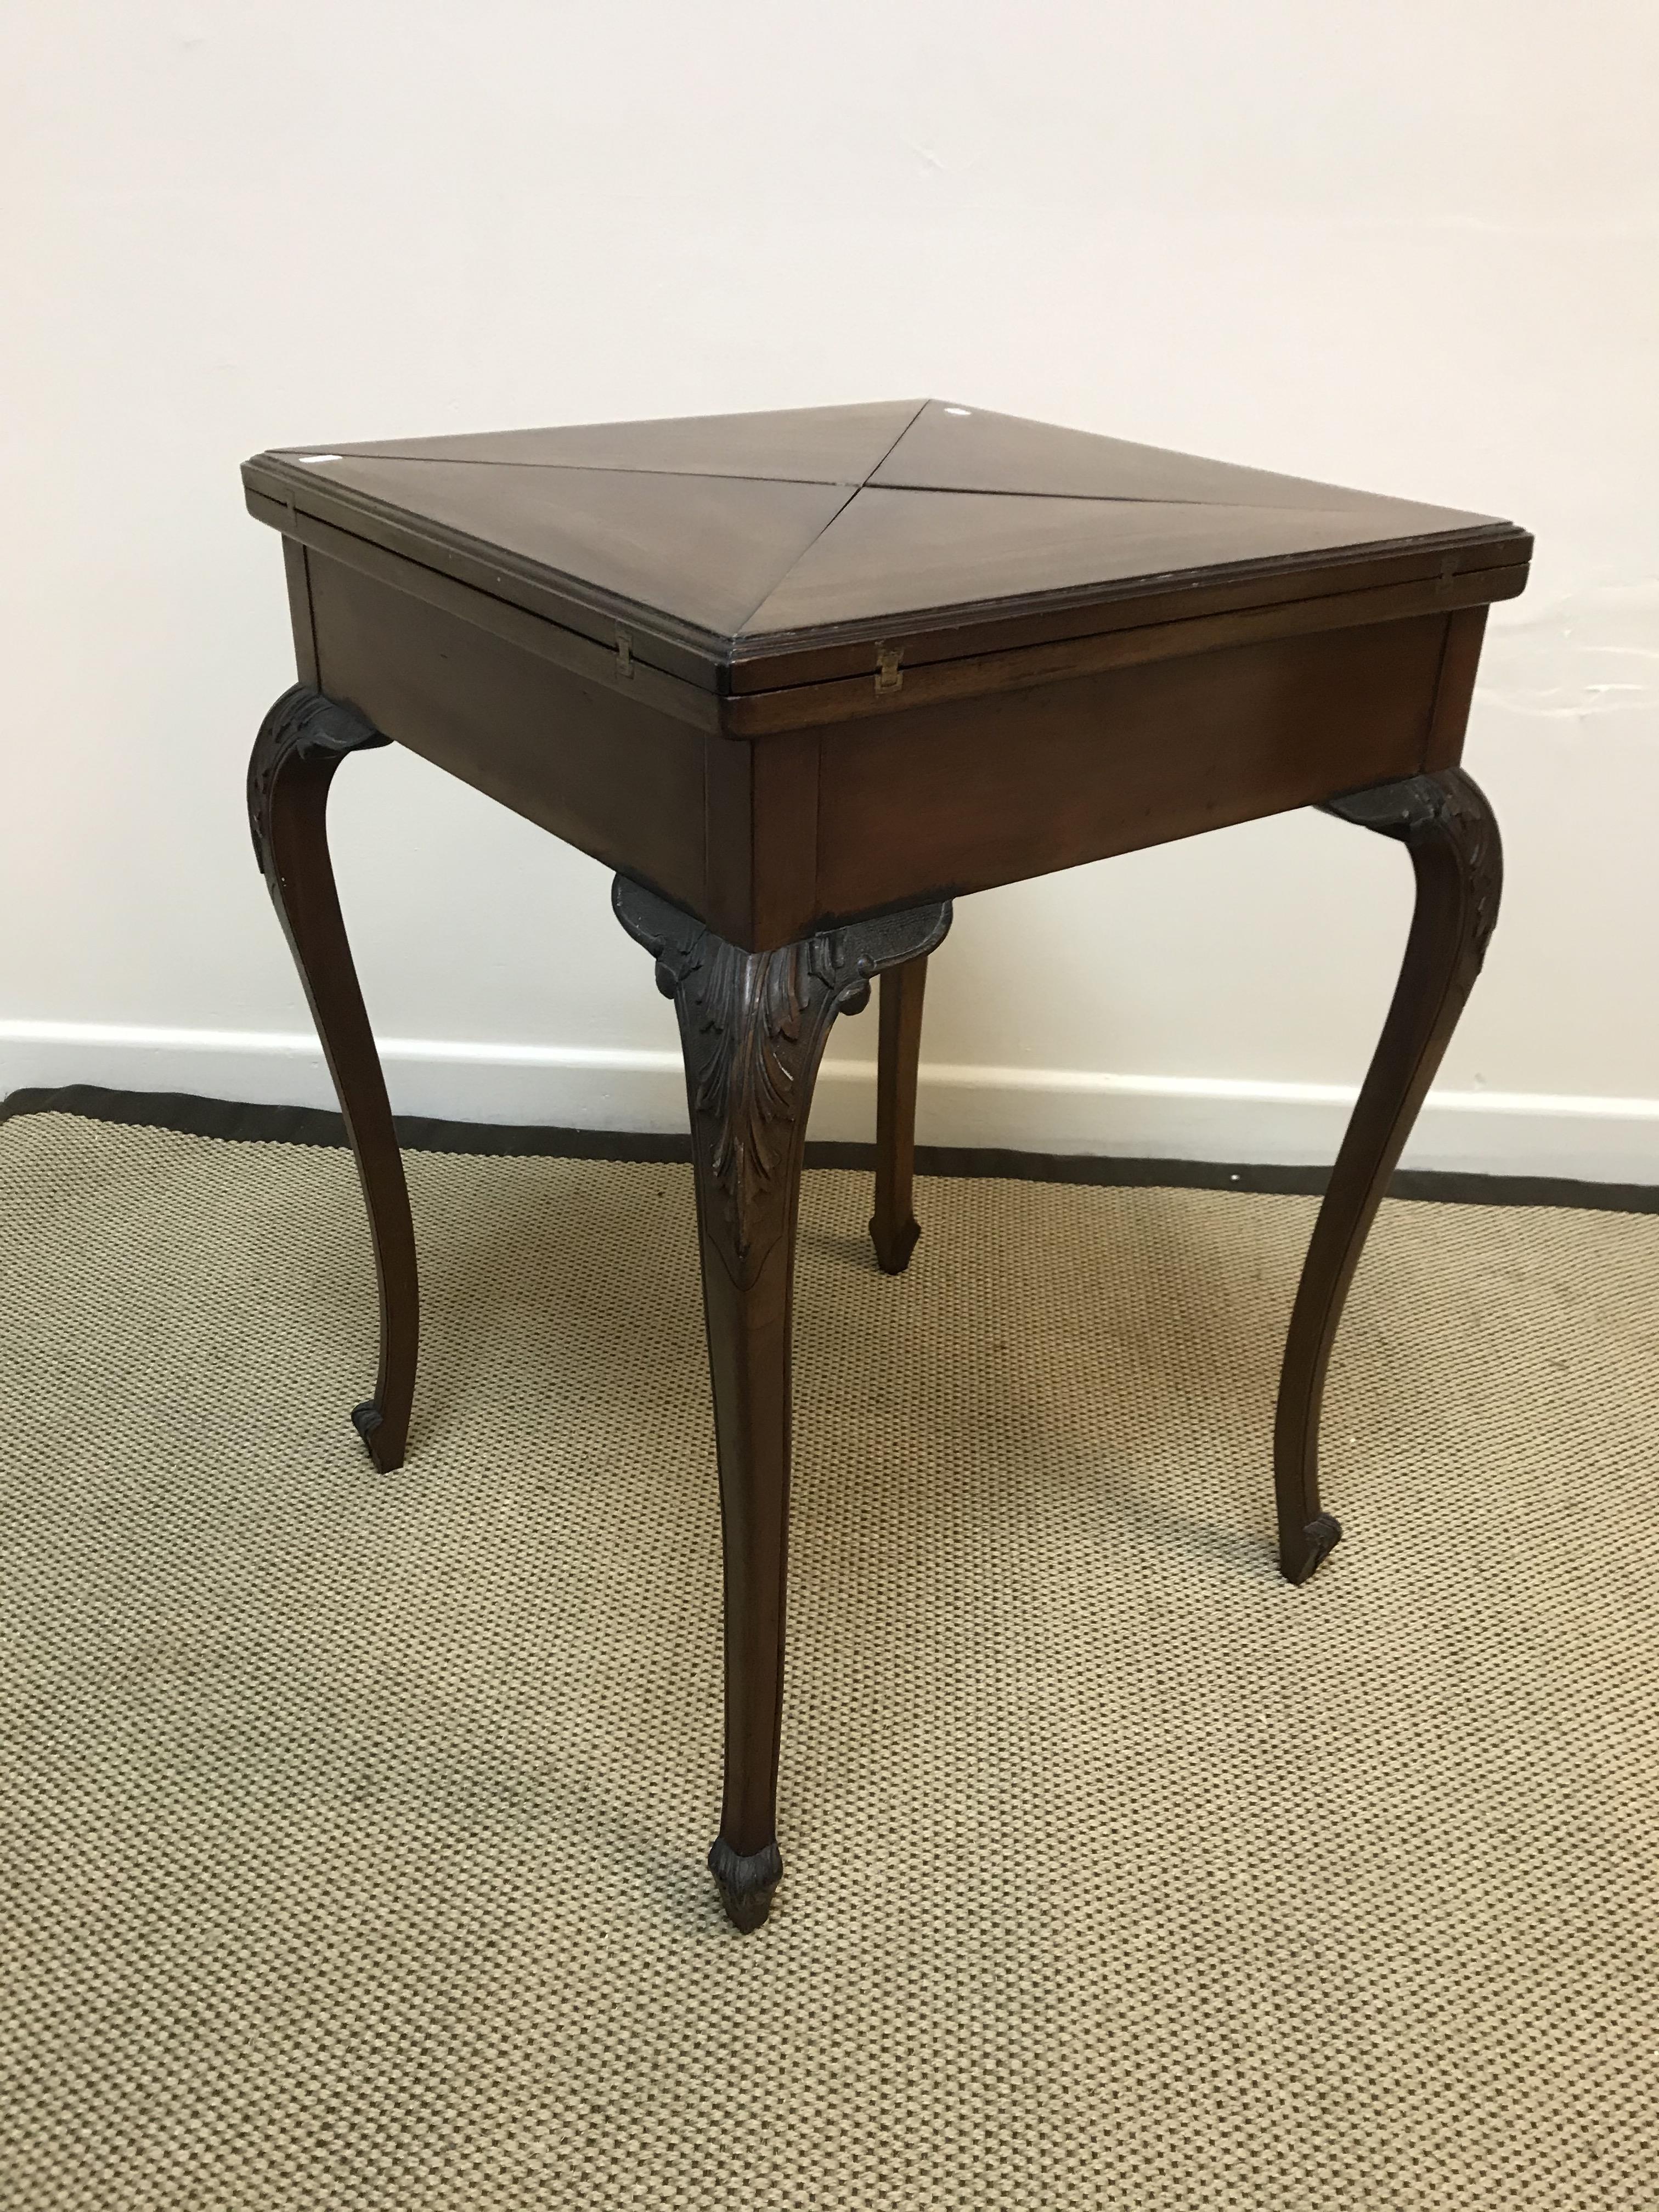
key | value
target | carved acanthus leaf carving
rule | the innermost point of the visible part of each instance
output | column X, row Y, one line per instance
column 752, row 1028
column 1447, row 807
column 302, row 724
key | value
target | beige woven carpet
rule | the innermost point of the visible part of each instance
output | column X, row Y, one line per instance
column 353, row 1826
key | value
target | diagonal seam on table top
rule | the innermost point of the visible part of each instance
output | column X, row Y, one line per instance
column 778, row 582
column 836, row 483
column 303, row 455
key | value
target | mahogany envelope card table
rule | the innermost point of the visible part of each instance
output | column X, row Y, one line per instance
column 801, row 679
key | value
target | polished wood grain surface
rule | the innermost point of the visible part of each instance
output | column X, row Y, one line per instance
column 890, row 554
column 735, row 552
column 804, row 445
column 705, row 549
column 991, row 791
column 606, row 771
column 950, row 448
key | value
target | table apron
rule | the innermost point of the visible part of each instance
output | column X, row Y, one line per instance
column 767, row 841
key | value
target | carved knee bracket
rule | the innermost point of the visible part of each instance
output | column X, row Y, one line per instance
column 1449, row 811
column 303, row 725
column 753, row 1027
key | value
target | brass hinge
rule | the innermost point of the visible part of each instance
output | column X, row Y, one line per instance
column 889, row 674
column 624, row 654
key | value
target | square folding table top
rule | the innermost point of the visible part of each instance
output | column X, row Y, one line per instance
column 743, row 553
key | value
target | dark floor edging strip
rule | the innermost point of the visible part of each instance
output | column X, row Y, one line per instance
column 315, row 1125
column 311, row 1125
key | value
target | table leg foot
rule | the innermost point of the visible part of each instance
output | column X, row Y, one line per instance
column 369, row 1423
column 753, row 1027
column 302, row 741
column 746, row 1881
column 1297, row 1562
column 1445, row 824
column 893, row 1228
column 894, row 1246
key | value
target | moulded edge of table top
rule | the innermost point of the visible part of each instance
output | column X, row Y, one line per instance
column 987, row 629
column 854, row 698
column 970, row 636
column 747, row 715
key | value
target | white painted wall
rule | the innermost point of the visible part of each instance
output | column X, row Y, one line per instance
column 1406, row 246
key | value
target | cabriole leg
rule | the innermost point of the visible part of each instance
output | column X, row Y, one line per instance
column 1445, row 824
column 753, row 1027
column 302, row 741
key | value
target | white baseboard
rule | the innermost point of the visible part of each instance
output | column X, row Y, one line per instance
column 1027, row 1110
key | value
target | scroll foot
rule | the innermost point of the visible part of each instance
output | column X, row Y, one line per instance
column 745, row 1885
column 368, row 1420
